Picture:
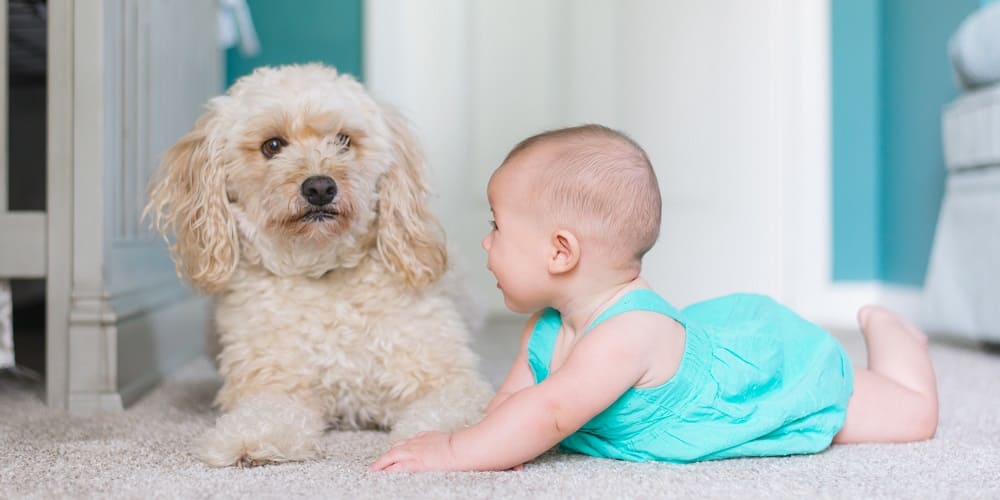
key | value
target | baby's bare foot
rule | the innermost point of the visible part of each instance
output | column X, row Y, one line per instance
column 877, row 318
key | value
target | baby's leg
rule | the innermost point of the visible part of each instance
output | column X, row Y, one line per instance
column 895, row 398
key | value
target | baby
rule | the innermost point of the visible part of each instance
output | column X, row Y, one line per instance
column 608, row 368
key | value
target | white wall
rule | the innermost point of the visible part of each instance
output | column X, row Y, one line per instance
column 700, row 90
column 729, row 98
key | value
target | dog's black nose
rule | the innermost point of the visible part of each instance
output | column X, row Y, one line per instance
column 319, row 190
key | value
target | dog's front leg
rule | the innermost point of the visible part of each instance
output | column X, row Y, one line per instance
column 456, row 404
column 264, row 428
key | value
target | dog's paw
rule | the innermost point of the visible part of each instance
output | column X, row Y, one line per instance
column 447, row 408
column 246, row 462
column 263, row 430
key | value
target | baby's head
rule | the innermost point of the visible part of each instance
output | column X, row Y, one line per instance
column 596, row 182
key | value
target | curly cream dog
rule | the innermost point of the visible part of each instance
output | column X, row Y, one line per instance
column 299, row 202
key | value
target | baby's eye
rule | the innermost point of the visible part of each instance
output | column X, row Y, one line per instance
column 493, row 224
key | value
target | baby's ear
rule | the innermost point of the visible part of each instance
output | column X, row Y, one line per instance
column 565, row 253
column 188, row 199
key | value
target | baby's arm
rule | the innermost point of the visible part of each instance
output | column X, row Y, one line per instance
column 603, row 365
column 520, row 375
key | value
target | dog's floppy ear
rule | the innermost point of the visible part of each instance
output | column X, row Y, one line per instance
column 188, row 198
column 410, row 241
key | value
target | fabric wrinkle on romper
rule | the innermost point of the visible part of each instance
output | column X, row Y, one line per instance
column 755, row 379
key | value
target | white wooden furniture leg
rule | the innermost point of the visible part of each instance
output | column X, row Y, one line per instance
column 6, row 327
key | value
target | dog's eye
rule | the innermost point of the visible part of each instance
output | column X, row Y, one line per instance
column 272, row 146
column 343, row 140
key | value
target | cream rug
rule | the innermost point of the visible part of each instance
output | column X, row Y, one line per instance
column 144, row 452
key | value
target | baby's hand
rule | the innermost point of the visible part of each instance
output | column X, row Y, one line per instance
column 426, row 451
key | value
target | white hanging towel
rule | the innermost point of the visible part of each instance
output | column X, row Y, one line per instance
column 236, row 27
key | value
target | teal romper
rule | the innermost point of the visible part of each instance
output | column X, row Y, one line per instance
column 755, row 380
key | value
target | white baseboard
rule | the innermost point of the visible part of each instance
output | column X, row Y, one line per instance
column 903, row 299
column 89, row 404
column 837, row 305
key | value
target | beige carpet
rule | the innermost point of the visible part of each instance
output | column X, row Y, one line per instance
column 143, row 453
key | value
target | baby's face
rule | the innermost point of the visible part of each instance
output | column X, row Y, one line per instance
column 517, row 244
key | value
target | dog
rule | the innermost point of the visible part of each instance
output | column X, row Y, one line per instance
column 299, row 203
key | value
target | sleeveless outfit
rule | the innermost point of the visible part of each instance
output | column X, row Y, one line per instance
column 755, row 379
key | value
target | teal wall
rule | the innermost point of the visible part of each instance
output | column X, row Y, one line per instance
column 302, row 31
column 855, row 31
column 891, row 78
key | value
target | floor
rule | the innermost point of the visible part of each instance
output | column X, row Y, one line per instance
column 145, row 452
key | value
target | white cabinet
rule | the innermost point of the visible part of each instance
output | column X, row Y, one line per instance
column 125, row 79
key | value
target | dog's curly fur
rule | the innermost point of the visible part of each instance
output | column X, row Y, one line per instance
column 336, row 316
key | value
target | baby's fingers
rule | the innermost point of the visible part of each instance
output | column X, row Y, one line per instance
column 401, row 467
column 390, row 457
column 380, row 464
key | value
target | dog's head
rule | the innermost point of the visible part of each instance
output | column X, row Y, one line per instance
column 296, row 169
